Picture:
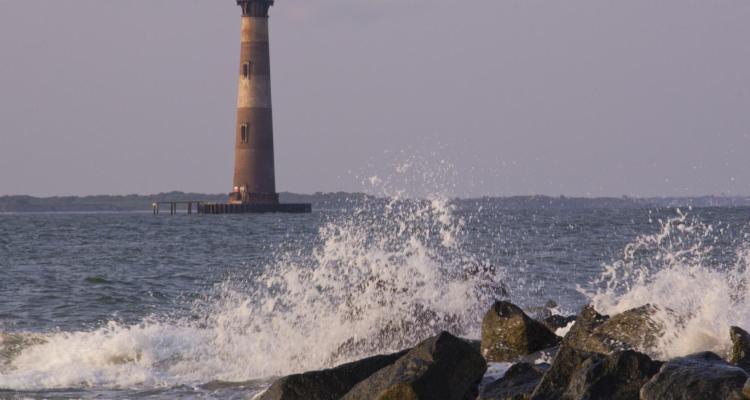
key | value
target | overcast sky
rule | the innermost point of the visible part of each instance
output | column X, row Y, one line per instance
column 594, row 98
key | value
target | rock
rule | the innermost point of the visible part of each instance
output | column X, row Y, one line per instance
column 555, row 322
column 741, row 348
column 556, row 380
column 701, row 376
column 579, row 334
column 443, row 367
column 578, row 375
column 619, row 376
column 328, row 384
column 634, row 329
column 517, row 384
column 508, row 333
column 475, row 344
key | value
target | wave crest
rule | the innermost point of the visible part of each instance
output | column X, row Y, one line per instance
column 696, row 276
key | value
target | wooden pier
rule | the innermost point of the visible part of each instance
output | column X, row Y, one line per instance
column 175, row 205
column 229, row 208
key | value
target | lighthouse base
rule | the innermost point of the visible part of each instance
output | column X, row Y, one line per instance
column 250, row 208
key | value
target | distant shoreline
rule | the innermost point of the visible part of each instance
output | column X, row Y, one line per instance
column 110, row 203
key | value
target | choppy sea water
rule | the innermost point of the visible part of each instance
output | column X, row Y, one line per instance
column 129, row 305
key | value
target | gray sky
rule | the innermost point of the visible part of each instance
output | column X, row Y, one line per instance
column 597, row 97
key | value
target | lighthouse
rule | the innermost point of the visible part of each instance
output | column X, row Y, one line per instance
column 254, row 183
column 254, row 177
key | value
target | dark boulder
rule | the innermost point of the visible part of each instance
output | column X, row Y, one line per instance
column 508, row 333
column 579, row 335
column 443, row 367
column 741, row 348
column 634, row 329
column 517, row 384
column 619, row 376
column 329, row 384
column 475, row 344
column 555, row 382
column 578, row 375
column 701, row 376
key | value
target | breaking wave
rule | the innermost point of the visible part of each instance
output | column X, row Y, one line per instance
column 694, row 273
column 378, row 278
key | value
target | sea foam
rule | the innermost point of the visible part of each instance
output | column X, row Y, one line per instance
column 379, row 278
column 695, row 276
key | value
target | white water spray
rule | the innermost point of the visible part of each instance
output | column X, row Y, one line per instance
column 378, row 278
column 676, row 269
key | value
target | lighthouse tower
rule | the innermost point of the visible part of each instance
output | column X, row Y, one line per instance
column 254, row 185
column 254, row 177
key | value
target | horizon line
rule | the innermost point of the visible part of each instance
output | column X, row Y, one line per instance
column 322, row 193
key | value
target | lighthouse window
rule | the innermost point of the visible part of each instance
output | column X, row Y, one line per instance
column 246, row 70
column 244, row 134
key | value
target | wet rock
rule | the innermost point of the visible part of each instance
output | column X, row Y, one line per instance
column 475, row 344
column 508, row 333
column 555, row 382
column 555, row 322
column 517, row 384
column 576, row 374
column 701, row 376
column 634, row 329
column 443, row 367
column 329, row 384
column 579, row 335
column 619, row 376
column 741, row 348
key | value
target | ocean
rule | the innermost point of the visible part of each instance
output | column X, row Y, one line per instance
column 132, row 305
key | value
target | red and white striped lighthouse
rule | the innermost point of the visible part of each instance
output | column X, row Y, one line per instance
column 254, row 177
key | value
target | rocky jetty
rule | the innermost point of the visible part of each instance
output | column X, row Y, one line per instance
column 576, row 374
column 442, row 367
column 508, row 333
column 741, row 349
column 329, row 384
column 702, row 376
column 519, row 382
column 634, row 329
column 600, row 358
